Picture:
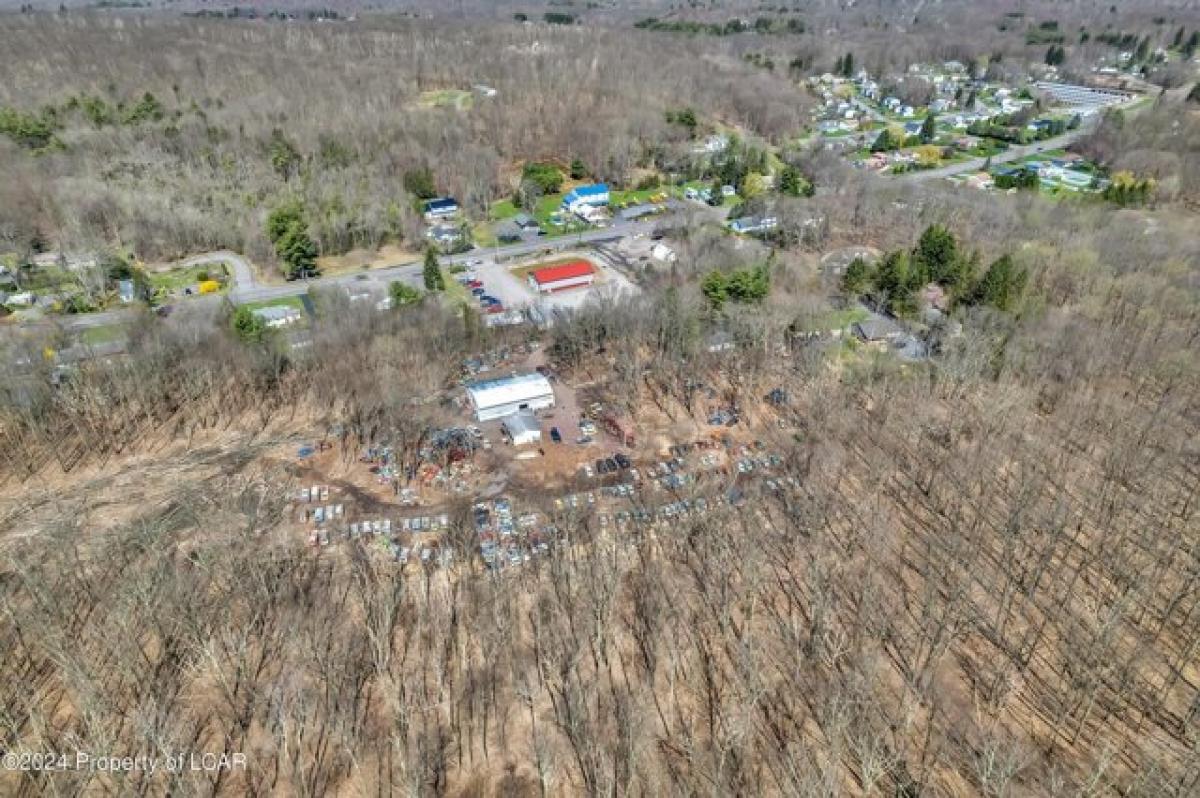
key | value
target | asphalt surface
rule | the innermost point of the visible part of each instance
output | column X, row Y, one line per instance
column 246, row 287
column 1011, row 154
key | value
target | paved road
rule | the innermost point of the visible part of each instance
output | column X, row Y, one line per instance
column 247, row 289
column 243, row 272
column 1011, row 154
column 411, row 272
column 1015, row 153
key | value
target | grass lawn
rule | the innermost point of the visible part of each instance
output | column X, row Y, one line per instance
column 840, row 319
column 547, row 205
column 179, row 279
column 456, row 293
column 94, row 336
column 483, row 234
column 447, row 98
column 636, row 197
column 283, row 301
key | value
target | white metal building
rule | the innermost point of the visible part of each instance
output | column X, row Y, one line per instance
column 522, row 428
column 497, row 398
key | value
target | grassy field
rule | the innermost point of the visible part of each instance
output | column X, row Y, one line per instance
column 283, row 301
column 547, row 206
column 94, row 336
column 447, row 98
column 838, row 319
column 456, row 293
column 178, row 279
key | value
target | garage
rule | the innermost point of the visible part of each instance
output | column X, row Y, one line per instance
column 576, row 274
column 492, row 399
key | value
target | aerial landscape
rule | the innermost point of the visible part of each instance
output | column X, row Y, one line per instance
column 600, row 397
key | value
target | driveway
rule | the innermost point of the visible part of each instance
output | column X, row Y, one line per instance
column 243, row 272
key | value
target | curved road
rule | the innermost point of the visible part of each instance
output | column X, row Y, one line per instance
column 246, row 287
column 243, row 272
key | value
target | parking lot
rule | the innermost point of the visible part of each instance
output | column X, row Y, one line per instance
column 498, row 280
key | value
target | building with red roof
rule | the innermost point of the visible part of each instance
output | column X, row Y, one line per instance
column 576, row 274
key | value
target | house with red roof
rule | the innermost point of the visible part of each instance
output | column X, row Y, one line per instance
column 576, row 274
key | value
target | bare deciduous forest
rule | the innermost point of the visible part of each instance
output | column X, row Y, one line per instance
column 347, row 101
column 983, row 577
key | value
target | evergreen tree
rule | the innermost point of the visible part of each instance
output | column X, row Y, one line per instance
column 285, row 158
column 715, row 289
column 402, row 293
column 247, row 326
column 432, row 273
column 795, row 184
column 846, row 65
column 288, row 231
column 885, row 141
column 893, row 282
column 297, row 249
column 935, row 258
column 1001, row 285
column 579, row 169
column 856, row 277
column 928, row 128
column 419, row 182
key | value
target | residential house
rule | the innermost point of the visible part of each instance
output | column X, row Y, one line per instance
column 440, row 208
column 879, row 329
column 276, row 316
column 753, row 224
column 126, row 291
column 587, row 196
column 445, row 235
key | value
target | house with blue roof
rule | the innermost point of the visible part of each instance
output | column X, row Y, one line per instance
column 590, row 196
column 440, row 208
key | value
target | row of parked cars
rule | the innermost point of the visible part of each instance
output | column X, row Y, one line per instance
column 489, row 303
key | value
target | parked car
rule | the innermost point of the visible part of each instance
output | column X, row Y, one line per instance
column 601, row 466
column 488, row 299
column 611, row 465
column 555, row 435
column 497, row 308
column 478, row 292
column 622, row 461
column 475, row 283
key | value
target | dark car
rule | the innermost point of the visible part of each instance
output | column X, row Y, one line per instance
column 555, row 435
column 601, row 466
column 611, row 464
column 478, row 291
column 623, row 462
column 488, row 300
